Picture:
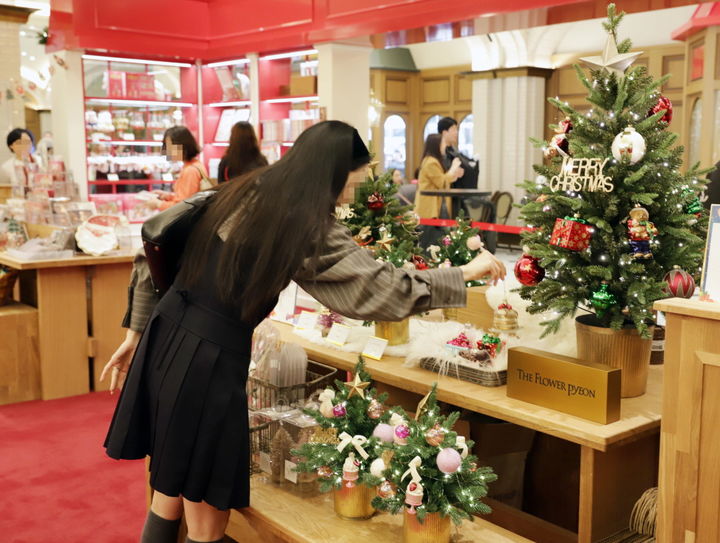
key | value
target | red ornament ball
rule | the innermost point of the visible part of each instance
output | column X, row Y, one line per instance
column 528, row 271
column 419, row 262
column 376, row 201
column 679, row 283
column 663, row 103
column 565, row 126
column 339, row 410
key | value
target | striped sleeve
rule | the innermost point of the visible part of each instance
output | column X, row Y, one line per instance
column 347, row 279
column 141, row 295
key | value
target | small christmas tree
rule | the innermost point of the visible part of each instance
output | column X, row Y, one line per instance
column 459, row 246
column 355, row 433
column 611, row 213
column 379, row 222
column 433, row 472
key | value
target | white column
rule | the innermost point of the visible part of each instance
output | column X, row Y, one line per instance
column 12, row 112
column 344, row 83
column 507, row 112
column 254, row 91
column 68, row 119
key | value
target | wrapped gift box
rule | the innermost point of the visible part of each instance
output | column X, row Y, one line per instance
column 572, row 234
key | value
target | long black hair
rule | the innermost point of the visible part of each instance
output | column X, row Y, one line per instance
column 278, row 216
column 243, row 154
column 181, row 135
column 432, row 148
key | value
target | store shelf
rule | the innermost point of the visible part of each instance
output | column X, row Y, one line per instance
column 134, row 103
column 291, row 99
column 105, row 182
column 237, row 103
column 135, row 143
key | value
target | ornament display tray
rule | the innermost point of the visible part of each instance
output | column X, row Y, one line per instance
column 479, row 376
column 262, row 394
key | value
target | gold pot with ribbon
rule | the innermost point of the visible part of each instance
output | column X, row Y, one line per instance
column 353, row 499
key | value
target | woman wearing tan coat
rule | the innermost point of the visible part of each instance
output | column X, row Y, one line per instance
column 433, row 177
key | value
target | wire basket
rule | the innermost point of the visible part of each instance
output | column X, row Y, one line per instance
column 262, row 394
column 7, row 283
column 260, row 436
column 480, row 376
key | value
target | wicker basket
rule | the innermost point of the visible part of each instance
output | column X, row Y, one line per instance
column 262, row 394
column 480, row 376
column 7, row 283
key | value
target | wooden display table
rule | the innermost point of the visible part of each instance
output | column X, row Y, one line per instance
column 618, row 461
column 689, row 486
column 281, row 514
column 19, row 357
column 80, row 303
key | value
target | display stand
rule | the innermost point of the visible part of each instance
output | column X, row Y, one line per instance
column 618, row 460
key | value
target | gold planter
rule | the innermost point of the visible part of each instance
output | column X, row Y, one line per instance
column 433, row 529
column 354, row 503
column 396, row 332
column 623, row 349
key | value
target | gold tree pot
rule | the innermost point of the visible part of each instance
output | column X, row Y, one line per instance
column 396, row 332
column 434, row 529
column 354, row 503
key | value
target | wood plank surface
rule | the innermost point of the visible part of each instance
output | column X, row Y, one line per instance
column 19, row 354
column 79, row 260
column 691, row 308
column 639, row 416
column 279, row 513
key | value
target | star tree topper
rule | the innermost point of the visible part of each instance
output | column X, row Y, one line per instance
column 611, row 60
column 357, row 386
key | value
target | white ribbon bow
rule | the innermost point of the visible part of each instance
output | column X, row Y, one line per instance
column 414, row 464
column 357, row 442
column 460, row 442
column 327, row 394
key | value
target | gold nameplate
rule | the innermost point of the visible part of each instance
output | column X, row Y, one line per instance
column 583, row 389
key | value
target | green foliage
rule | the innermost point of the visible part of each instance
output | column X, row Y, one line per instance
column 655, row 181
column 457, row 495
column 393, row 219
column 355, row 422
column 453, row 246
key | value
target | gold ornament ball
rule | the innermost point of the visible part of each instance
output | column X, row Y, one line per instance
column 325, row 471
column 375, row 409
column 387, row 490
column 435, row 436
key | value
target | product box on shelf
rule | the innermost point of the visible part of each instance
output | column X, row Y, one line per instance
column 137, row 208
column 108, row 204
column 116, row 84
column 303, row 85
column 140, row 86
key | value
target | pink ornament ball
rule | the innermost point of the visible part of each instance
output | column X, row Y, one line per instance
column 448, row 460
column 402, row 431
column 339, row 410
column 384, row 432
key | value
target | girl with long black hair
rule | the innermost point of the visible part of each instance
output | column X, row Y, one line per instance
column 243, row 154
column 183, row 401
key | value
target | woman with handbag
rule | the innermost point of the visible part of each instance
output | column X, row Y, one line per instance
column 183, row 399
column 180, row 145
column 432, row 176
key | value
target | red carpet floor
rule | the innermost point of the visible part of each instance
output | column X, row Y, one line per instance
column 57, row 484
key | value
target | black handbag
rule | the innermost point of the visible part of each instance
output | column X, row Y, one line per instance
column 165, row 235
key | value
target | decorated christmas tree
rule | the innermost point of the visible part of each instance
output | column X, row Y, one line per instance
column 431, row 470
column 611, row 213
column 379, row 222
column 355, row 433
column 458, row 246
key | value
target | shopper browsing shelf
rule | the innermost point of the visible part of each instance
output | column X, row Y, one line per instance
column 180, row 145
column 183, row 401
column 15, row 170
column 432, row 176
column 243, row 153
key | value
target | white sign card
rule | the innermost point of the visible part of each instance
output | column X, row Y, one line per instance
column 167, row 176
column 338, row 334
column 113, row 177
column 290, row 473
column 265, row 462
column 306, row 321
column 711, row 268
column 375, row 347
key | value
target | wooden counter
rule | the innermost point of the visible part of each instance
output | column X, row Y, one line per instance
column 618, row 461
column 80, row 303
column 278, row 513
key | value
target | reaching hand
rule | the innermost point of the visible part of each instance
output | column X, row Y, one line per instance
column 119, row 363
column 483, row 265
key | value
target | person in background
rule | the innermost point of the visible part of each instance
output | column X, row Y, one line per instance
column 180, row 145
column 711, row 195
column 21, row 142
column 448, row 129
column 405, row 190
column 397, row 176
column 45, row 149
column 184, row 362
column 243, row 154
column 433, row 176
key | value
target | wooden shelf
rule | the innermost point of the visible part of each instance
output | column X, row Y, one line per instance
column 639, row 416
column 281, row 513
column 118, row 257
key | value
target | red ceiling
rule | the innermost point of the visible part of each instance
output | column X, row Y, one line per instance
column 221, row 29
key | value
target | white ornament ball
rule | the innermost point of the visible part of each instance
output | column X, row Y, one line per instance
column 541, row 180
column 474, row 243
column 448, row 460
column 377, row 467
column 384, row 432
column 628, row 145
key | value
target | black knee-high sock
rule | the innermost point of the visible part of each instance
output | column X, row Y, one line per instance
column 188, row 540
column 159, row 530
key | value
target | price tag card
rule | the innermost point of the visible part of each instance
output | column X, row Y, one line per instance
column 375, row 347
column 113, row 177
column 338, row 334
column 306, row 321
column 265, row 462
column 167, row 176
column 290, row 473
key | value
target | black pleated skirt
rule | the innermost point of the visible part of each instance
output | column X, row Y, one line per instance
column 184, row 404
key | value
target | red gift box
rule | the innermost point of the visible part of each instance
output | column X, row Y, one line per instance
column 570, row 233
